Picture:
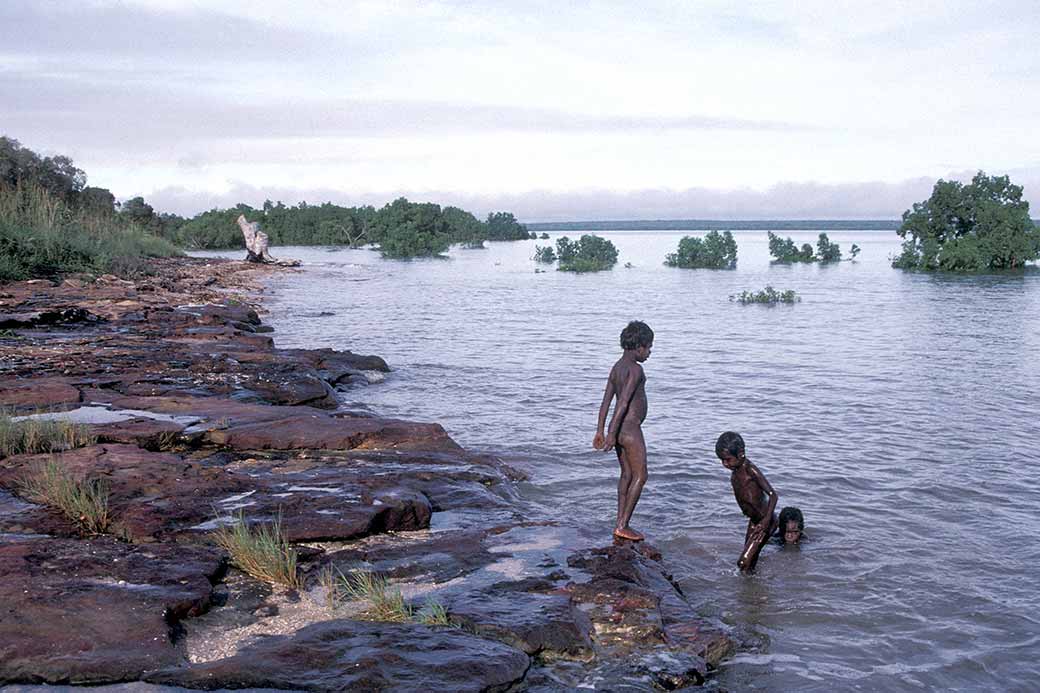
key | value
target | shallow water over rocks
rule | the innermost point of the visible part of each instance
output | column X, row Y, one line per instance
column 899, row 411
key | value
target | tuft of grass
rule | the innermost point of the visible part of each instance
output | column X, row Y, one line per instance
column 383, row 602
column 261, row 550
column 84, row 502
column 769, row 295
column 434, row 614
column 35, row 436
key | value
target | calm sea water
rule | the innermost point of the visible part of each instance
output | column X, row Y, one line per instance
column 899, row 411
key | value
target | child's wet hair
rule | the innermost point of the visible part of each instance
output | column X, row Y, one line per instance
column 636, row 334
column 786, row 515
column 730, row 442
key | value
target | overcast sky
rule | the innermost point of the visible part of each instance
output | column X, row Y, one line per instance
column 553, row 110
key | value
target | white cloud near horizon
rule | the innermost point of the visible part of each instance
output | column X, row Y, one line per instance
column 555, row 111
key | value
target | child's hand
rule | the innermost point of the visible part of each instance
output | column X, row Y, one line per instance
column 597, row 441
column 609, row 443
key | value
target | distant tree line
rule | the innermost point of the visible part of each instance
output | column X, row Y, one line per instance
column 400, row 228
column 720, row 225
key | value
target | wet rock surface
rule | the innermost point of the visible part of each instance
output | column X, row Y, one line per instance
column 96, row 610
column 345, row 655
column 199, row 419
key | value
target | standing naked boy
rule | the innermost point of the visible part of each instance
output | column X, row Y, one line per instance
column 755, row 496
column 627, row 383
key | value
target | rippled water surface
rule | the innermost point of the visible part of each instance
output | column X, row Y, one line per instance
column 899, row 411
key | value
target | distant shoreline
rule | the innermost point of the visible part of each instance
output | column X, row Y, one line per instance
column 720, row 225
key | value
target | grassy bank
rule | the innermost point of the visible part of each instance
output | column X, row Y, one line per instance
column 42, row 236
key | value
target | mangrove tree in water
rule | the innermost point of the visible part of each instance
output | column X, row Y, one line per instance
column 784, row 250
column 503, row 226
column 981, row 226
column 589, row 253
column 714, row 251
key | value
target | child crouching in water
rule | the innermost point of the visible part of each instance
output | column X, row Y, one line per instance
column 755, row 496
column 792, row 526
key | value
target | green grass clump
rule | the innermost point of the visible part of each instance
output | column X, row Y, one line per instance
column 769, row 295
column 35, row 436
column 383, row 602
column 84, row 502
column 434, row 614
column 260, row 550
column 42, row 236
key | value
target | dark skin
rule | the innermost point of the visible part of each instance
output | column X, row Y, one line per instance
column 757, row 500
column 625, row 435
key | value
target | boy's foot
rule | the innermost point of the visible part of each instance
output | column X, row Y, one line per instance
column 628, row 533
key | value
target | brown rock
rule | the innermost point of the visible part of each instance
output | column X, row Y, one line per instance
column 95, row 611
column 346, row 655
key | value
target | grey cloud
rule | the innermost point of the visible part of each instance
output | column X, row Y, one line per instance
column 30, row 27
column 122, row 114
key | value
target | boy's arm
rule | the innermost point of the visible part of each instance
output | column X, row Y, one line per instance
column 608, row 395
column 772, row 497
column 624, row 399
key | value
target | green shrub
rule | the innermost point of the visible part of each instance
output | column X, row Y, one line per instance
column 827, row 251
column 784, row 250
column 768, row 295
column 590, row 253
column 546, row 255
column 714, row 251
column 503, row 226
column 978, row 227
column 42, row 236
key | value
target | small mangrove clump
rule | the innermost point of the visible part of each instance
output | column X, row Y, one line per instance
column 714, row 251
column 84, row 502
column 786, row 251
column 545, row 255
column 769, row 296
column 261, row 550
column 590, row 253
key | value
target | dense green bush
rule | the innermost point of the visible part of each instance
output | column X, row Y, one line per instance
column 978, row 227
column 714, row 251
column 546, row 254
column 43, row 236
column 404, row 229
column 827, row 251
column 768, row 295
column 784, row 250
column 464, row 227
column 589, row 253
column 503, row 226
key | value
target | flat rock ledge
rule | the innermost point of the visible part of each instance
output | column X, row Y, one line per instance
column 200, row 421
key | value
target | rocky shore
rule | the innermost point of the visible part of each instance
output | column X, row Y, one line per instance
column 197, row 419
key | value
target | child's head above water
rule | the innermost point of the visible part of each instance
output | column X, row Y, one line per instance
column 791, row 525
column 637, row 336
column 730, row 449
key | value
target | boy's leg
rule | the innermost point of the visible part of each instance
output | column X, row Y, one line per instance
column 635, row 460
column 623, row 483
column 753, row 543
